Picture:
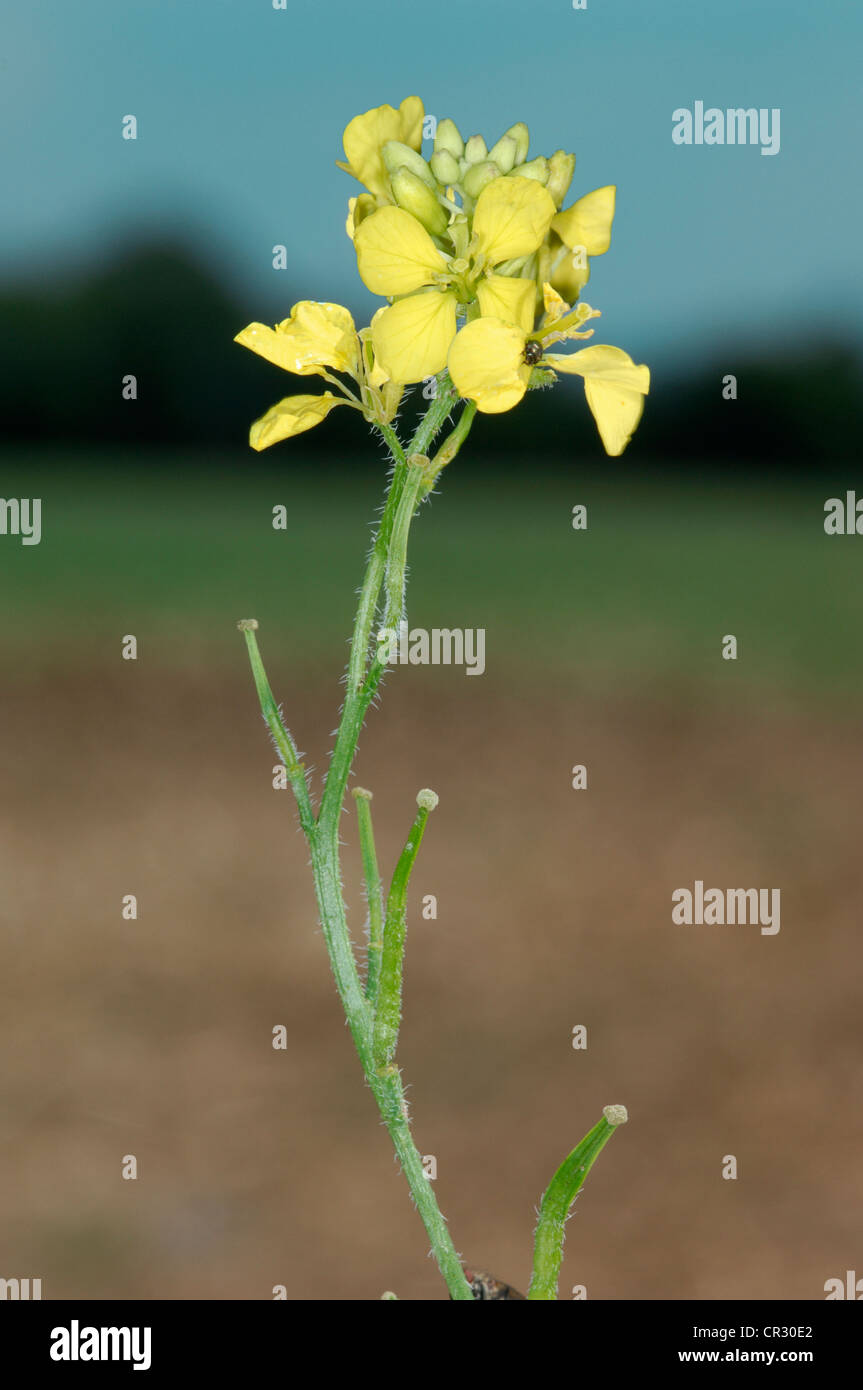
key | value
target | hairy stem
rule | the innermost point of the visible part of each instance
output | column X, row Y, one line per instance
column 360, row 691
column 386, row 570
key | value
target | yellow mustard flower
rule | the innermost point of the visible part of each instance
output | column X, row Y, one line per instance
column 366, row 135
column 577, row 234
column 491, row 361
column 318, row 339
column 398, row 258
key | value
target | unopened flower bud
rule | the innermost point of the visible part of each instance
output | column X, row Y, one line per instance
column 503, row 153
column 536, row 169
column 478, row 176
column 448, row 139
column 476, row 150
column 444, row 166
column 521, row 135
column 561, row 168
column 412, row 194
column 399, row 156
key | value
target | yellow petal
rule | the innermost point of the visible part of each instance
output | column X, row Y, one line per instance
column 486, row 363
column 588, row 222
column 412, row 115
column 615, row 388
column 509, row 298
column 555, row 307
column 291, row 416
column 571, row 274
column 512, row 218
column 395, row 255
column 412, row 337
column 315, row 336
column 376, row 376
column 358, row 208
column 363, row 138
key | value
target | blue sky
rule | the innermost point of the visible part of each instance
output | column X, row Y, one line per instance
column 241, row 109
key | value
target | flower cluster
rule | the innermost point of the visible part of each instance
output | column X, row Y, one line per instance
column 480, row 265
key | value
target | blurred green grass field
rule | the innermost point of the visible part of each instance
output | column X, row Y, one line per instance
column 176, row 549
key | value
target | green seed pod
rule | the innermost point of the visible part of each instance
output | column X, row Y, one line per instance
column 448, row 139
column 445, row 167
column 521, row 135
column 476, row 150
column 417, row 198
column 477, row 177
column 504, row 153
column 536, row 169
column 399, row 156
column 561, row 168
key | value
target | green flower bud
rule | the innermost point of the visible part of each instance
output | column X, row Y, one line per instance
column 504, row 153
column 561, row 168
column 536, row 169
column 448, row 139
column 521, row 135
column 399, row 156
column 477, row 177
column 445, row 167
column 415, row 196
column 476, row 150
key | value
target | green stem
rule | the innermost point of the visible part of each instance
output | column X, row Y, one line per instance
column 451, row 445
column 385, row 1084
column 393, row 442
column 389, row 1094
column 386, row 568
column 397, row 556
column 360, row 687
column 388, row 1013
column 559, row 1197
column 374, row 893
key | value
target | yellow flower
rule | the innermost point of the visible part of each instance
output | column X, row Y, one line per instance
column 319, row 339
column 491, row 361
column 577, row 233
column 316, row 335
column 366, row 135
column 397, row 257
